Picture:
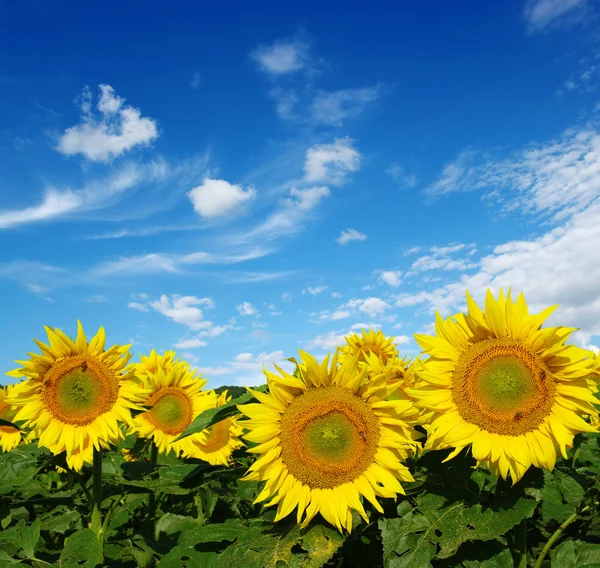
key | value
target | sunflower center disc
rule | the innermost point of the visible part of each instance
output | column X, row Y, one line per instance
column 79, row 389
column 329, row 437
column 171, row 410
column 499, row 385
column 217, row 437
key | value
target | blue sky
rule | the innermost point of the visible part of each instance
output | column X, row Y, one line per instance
column 241, row 183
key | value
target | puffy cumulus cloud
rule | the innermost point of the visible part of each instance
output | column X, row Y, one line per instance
column 370, row 306
column 314, row 290
column 545, row 268
column 333, row 107
column 216, row 198
column 555, row 179
column 392, row 278
column 307, row 198
column 540, row 14
column 282, row 57
column 402, row 339
column 247, row 369
column 350, row 235
column 246, row 309
column 326, row 316
column 401, row 177
column 180, row 309
column 139, row 307
column 330, row 163
column 117, row 129
column 327, row 341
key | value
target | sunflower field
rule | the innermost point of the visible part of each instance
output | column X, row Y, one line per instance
column 483, row 451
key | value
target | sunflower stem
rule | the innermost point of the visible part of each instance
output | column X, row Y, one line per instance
column 96, row 524
column 152, row 500
column 557, row 533
column 521, row 545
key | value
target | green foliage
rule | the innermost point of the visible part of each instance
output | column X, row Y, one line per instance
column 204, row 516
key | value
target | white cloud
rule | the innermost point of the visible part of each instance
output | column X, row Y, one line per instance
column 544, row 268
column 314, row 290
column 554, row 179
column 171, row 263
column 248, row 369
column 118, row 129
column 96, row 299
column 281, row 57
column 401, row 177
column 37, row 288
column 192, row 343
column 402, row 339
column 336, row 295
column 246, row 309
column 285, row 102
column 182, row 309
column 330, row 163
column 371, row 306
column 334, row 107
column 391, row 277
column 541, row 13
column 218, row 198
column 328, row 341
column 286, row 297
column 356, row 326
column 137, row 306
column 350, row 235
column 93, row 195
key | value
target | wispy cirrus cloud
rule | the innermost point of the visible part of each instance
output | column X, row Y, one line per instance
column 153, row 263
column 555, row 179
column 543, row 14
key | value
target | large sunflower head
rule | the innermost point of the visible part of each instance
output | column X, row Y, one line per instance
column 369, row 342
column 174, row 399
column 76, row 393
column 151, row 363
column 327, row 437
column 216, row 444
column 497, row 381
column 9, row 436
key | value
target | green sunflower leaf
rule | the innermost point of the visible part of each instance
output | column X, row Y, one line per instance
column 576, row 554
column 81, row 550
column 213, row 415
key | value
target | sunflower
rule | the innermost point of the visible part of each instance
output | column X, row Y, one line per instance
column 216, row 444
column 497, row 381
column 79, row 458
column 176, row 398
column 151, row 363
column 9, row 436
column 369, row 342
column 76, row 393
column 326, row 438
column 398, row 372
